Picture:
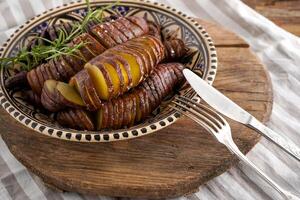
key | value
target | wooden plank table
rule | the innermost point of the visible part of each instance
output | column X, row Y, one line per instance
column 284, row 13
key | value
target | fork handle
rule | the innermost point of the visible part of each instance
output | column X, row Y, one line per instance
column 235, row 150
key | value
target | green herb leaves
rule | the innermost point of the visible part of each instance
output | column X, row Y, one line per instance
column 28, row 59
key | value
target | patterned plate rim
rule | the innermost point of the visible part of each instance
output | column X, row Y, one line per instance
column 108, row 136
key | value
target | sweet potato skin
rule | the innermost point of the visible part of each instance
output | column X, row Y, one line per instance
column 150, row 94
column 99, row 38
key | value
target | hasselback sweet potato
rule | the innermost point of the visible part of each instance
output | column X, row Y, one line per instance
column 99, row 38
column 130, row 108
column 113, row 73
column 123, row 67
column 135, row 106
column 76, row 118
column 58, row 95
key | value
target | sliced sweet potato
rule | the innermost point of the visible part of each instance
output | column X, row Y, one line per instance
column 165, row 78
column 141, row 22
column 44, row 72
column 33, row 81
column 133, row 64
column 125, row 69
column 68, row 95
column 115, row 113
column 85, row 119
column 53, row 70
column 149, row 63
column 99, row 119
column 159, row 87
column 48, row 71
column 40, row 77
column 111, row 116
column 32, row 97
column 75, row 61
column 114, row 77
column 113, row 32
column 162, row 81
column 154, row 29
column 153, row 91
column 140, row 58
column 159, row 46
column 133, row 110
column 123, row 29
column 149, row 94
column 93, row 45
column 121, row 112
column 85, row 52
column 49, row 97
column 66, row 67
column 105, row 115
column 137, row 31
column 149, row 48
column 127, row 110
column 62, row 72
column 146, row 106
column 174, row 49
column 139, row 107
column 121, row 73
column 78, row 82
column 92, row 93
column 102, row 36
column 99, row 81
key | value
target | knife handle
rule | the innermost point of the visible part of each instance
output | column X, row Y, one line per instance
column 284, row 143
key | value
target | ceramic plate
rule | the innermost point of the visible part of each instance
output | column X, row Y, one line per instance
column 202, row 59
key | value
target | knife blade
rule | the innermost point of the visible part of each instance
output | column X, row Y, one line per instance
column 227, row 107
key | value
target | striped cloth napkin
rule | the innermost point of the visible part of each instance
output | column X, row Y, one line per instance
column 278, row 50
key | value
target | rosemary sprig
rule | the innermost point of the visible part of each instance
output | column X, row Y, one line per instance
column 27, row 60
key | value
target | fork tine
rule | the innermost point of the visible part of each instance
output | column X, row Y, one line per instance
column 198, row 114
column 200, row 109
column 210, row 111
column 193, row 117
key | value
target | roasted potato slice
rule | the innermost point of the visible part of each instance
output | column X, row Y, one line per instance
column 114, row 33
column 102, row 36
column 68, row 96
column 121, row 112
column 78, row 83
column 147, row 57
column 99, row 119
column 56, row 75
column 141, row 22
column 125, row 70
column 99, row 81
column 123, row 29
column 134, row 64
column 140, row 57
column 92, row 93
column 136, row 30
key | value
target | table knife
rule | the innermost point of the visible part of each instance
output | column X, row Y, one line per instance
column 227, row 107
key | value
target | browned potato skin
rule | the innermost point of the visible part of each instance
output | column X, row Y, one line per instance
column 80, row 78
column 174, row 49
column 150, row 93
column 100, row 38
column 56, row 98
column 76, row 119
column 49, row 103
column 32, row 97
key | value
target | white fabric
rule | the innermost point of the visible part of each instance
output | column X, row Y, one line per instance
column 278, row 50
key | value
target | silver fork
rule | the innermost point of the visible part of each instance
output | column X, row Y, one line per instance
column 220, row 129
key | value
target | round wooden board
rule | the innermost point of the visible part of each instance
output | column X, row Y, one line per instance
column 168, row 163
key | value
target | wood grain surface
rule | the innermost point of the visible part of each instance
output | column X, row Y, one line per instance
column 284, row 13
column 169, row 163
